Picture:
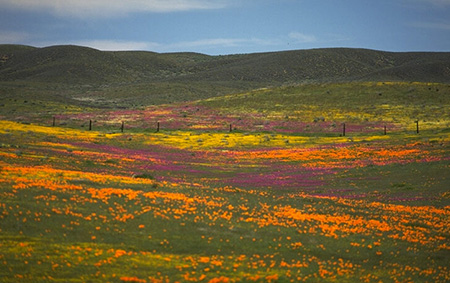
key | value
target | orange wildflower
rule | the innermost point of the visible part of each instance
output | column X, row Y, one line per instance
column 221, row 279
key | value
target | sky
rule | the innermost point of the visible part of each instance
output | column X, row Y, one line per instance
column 221, row 27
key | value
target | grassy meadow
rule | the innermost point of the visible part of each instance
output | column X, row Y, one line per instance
column 262, row 186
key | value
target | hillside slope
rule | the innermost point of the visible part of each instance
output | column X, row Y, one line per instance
column 82, row 65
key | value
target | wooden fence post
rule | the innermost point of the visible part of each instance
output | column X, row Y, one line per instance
column 54, row 121
column 417, row 126
column 157, row 127
column 384, row 129
column 121, row 128
column 90, row 125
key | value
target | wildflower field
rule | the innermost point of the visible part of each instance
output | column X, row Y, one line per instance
column 313, row 183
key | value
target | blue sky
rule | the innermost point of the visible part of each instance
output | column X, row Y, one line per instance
column 228, row 26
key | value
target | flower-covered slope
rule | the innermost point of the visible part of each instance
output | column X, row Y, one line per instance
column 195, row 202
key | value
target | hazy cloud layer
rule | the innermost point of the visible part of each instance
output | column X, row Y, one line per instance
column 302, row 38
column 202, row 44
column 107, row 8
column 199, row 45
column 11, row 37
column 432, row 25
column 111, row 45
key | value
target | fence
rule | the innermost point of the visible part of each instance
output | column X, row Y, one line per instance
column 231, row 128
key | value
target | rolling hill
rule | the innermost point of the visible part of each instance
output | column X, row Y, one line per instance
column 75, row 64
column 89, row 77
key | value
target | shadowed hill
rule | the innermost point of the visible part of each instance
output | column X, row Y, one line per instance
column 337, row 64
column 74, row 64
column 91, row 78
column 68, row 64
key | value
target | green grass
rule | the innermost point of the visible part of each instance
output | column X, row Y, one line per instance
column 89, row 206
column 351, row 102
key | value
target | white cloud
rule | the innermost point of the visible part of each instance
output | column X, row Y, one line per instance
column 302, row 38
column 202, row 45
column 105, row 45
column 225, row 42
column 112, row 45
column 11, row 37
column 108, row 8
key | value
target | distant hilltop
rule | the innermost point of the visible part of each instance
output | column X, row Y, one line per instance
column 81, row 65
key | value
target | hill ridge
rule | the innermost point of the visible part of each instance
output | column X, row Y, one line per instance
column 77, row 64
